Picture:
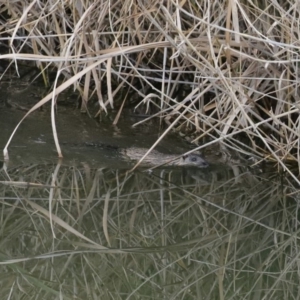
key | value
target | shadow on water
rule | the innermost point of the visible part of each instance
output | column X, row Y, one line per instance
column 86, row 227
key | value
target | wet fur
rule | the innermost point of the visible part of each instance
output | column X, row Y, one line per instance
column 155, row 158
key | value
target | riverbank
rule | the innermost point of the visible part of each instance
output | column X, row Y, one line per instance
column 218, row 73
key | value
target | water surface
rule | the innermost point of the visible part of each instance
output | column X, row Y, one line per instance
column 85, row 226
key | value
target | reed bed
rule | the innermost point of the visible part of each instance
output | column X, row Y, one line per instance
column 79, row 232
column 217, row 70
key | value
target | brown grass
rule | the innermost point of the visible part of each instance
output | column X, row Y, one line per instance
column 237, row 60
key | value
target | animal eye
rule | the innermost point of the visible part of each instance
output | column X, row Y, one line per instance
column 193, row 159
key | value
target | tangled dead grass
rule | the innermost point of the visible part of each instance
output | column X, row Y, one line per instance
column 215, row 235
column 219, row 69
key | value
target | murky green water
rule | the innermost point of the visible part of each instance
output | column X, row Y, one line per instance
column 84, row 227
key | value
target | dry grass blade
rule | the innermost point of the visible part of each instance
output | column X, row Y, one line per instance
column 105, row 217
column 62, row 223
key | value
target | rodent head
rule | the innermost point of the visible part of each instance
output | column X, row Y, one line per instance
column 194, row 160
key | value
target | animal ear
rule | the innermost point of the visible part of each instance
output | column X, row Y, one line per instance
column 184, row 156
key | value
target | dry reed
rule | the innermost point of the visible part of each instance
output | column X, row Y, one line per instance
column 237, row 61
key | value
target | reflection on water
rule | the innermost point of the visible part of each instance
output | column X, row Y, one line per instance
column 216, row 233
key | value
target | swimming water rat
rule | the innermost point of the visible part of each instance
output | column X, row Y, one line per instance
column 155, row 158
